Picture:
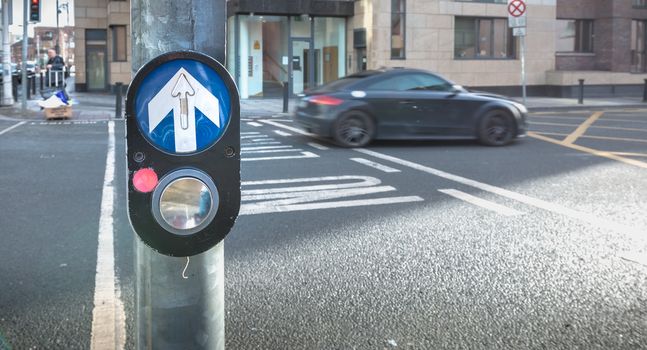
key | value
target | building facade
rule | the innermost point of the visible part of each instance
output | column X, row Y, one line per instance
column 103, row 48
column 302, row 44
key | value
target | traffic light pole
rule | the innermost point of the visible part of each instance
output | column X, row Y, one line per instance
column 7, row 96
column 174, row 312
column 25, row 44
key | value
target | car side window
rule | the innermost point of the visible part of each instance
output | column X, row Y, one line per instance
column 411, row 82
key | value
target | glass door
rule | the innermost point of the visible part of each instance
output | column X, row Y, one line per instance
column 96, row 68
column 638, row 46
column 301, row 65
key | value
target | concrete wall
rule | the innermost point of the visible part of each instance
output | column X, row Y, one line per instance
column 430, row 40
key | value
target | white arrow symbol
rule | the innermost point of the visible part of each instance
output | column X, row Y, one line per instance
column 183, row 90
column 183, row 94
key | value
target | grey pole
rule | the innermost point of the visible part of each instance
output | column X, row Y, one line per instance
column 7, row 96
column 173, row 312
column 58, row 33
column 25, row 43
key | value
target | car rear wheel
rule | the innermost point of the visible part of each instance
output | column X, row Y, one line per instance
column 496, row 128
column 353, row 129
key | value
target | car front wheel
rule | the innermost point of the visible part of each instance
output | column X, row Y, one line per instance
column 496, row 128
column 353, row 129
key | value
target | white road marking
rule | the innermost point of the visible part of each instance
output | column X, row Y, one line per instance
column 254, row 124
column 378, row 166
column 481, row 202
column 535, row 202
column 262, row 139
column 273, row 150
column 263, row 147
column 108, row 315
column 291, row 128
column 300, row 156
column 12, row 127
column 312, row 193
column 250, row 133
column 282, row 133
column 260, row 143
column 318, row 146
column 252, row 136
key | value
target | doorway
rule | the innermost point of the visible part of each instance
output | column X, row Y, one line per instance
column 638, row 46
column 302, row 75
column 96, row 67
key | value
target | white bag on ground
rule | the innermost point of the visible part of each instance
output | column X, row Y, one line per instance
column 52, row 102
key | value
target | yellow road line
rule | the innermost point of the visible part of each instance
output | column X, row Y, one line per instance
column 595, row 137
column 577, row 117
column 603, row 154
column 592, row 126
column 630, row 154
column 570, row 139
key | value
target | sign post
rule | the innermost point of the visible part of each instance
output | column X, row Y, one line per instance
column 517, row 21
column 183, row 154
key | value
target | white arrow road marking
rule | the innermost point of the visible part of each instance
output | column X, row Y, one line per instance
column 500, row 209
column 315, row 193
column 181, row 85
column 108, row 315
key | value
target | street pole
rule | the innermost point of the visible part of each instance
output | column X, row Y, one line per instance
column 173, row 312
column 523, row 68
column 25, row 43
column 58, row 33
column 7, row 95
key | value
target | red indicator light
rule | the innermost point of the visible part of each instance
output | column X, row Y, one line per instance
column 145, row 180
column 326, row 100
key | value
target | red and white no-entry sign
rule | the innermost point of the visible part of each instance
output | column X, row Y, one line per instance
column 517, row 8
column 517, row 13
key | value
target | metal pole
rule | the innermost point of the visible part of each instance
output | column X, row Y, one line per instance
column 118, row 103
column 523, row 68
column 7, row 96
column 286, row 96
column 58, row 34
column 580, row 99
column 172, row 312
column 25, row 43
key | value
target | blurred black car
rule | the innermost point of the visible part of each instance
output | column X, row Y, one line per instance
column 407, row 104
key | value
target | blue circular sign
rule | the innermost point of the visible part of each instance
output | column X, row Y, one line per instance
column 182, row 106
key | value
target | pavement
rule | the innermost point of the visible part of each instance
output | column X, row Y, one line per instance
column 92, row 106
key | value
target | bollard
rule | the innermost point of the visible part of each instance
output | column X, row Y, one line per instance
column 28, row 82
column 33, row 84
column 41, row 81
column 14, row 87
column 645, row 92
column 581, row 97
column 118, row 88
column 286, row 94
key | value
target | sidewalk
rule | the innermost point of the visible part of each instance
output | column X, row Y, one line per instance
column 88, row 106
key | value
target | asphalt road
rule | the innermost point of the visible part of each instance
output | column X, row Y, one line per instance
column 425, row 245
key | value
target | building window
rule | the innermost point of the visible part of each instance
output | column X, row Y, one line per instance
column 574, row 35
column 397, row 28
column 483, row 38
column 640, row 4
column 119, row 44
